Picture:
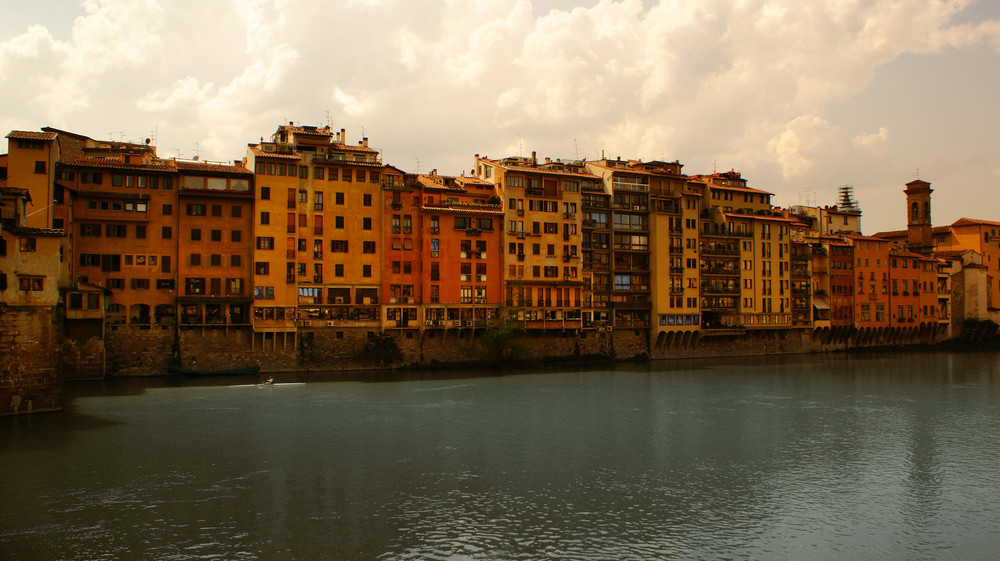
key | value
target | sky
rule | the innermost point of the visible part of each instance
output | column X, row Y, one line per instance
column 801, row 97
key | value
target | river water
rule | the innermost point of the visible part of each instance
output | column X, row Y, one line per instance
column 809, row 457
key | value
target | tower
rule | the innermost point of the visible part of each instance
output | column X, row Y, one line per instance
column 918, row 217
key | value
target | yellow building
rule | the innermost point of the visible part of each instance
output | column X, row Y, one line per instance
column 543, row 271
column 317, row 233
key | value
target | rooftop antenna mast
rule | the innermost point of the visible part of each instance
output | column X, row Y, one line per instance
column 197, row 151
column 520, row 145
column 576, row 149
column 329, row 119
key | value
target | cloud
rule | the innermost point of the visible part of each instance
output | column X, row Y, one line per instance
column 747, row 84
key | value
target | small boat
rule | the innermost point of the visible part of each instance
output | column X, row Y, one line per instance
column 226, row 372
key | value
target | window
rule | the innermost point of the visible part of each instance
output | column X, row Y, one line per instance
column 339, row 198
column 366, row 271
column 195, row 259
column 235, row 260
column 367, row 200
column 196, row 210
column 39, row 166
column 115, row 230
column 366, row 223
column 338, row 222
column 27, row 245
column 338, row 270
column 216, row 235
column 318, row 198
column 265, row 193
column 338, row 246
column 367, row 247
column 195, row 234
column 265, row 218
column 31, row 284
column 235, row 235
column 265, row 242
column 262, row 268
column 215, row 260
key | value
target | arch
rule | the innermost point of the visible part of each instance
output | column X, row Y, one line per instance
column 165, row 314
column 138, row 314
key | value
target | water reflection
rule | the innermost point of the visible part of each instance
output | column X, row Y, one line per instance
column 801, row 457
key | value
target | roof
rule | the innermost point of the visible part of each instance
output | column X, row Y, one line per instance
column 541, row 169
column 903, row 233
column 35, row 232
column 160, row 165
column 464, row 209
column 210, row 167
column 352, row 147
column 952, row 253
column 32, row 135
column 974, row 222
column 276, row 155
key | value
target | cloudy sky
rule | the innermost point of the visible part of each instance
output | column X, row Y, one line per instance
column 799, row 96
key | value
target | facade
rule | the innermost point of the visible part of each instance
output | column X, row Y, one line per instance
column 311, row 252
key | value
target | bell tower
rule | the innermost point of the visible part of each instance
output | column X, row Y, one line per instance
column 918, row 217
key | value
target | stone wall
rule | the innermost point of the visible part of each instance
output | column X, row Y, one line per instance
column 134, row 351
column 30, row 370
column 83, row 360
column 214, row 349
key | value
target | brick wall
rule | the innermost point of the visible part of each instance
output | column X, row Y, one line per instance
column 132, row 351
column 30, row 370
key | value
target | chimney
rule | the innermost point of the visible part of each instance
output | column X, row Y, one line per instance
column 343, row 136
column 534, row 159
column 548, row 160
column 364, row 142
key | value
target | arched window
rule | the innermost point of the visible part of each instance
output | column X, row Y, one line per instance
column 914, row 211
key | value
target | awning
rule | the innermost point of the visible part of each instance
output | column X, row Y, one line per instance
column 820, row 305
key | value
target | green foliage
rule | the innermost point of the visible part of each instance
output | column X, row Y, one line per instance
column 502, row 337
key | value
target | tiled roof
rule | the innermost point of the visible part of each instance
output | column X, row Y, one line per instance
column 903, row 233
column 759, row 217
column 16, row 191
column 209, row 167
column 160, row 165
column 32, row 135
column 974, row 222
column 276, row 155
column 538, row 169
column 459, row 209
column 351, row 147
column 36, row 232
column 952, row 253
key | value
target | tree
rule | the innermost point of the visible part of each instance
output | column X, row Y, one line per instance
column 502, row 337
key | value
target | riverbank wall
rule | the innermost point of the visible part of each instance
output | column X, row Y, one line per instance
column 30, row 360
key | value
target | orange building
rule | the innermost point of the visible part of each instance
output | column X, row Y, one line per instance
column 317, row 231
column 123, row 230
column 214, row 214
column 458, row 268
column 872, row 274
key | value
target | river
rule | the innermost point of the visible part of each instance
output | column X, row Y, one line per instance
column 892, row 456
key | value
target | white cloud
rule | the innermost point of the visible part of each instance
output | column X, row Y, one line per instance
column 748, row 84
